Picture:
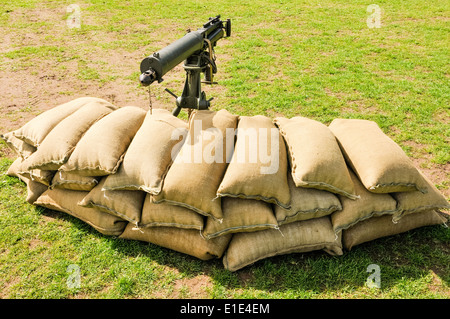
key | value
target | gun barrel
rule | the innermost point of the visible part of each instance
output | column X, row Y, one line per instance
column 192, row 46
column 167, row 58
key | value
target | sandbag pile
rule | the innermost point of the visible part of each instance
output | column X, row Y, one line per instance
column 241, row 188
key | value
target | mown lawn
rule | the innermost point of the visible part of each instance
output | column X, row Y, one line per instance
column 318, row 59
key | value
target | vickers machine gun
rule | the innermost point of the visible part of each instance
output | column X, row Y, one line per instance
column 196, row 48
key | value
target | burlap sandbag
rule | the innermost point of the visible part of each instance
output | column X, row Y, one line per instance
column 194, row 177
column 34, row 131
column 73, row 181
column 66, row 201
column 100, row 151
column 380, row 163
column 13, row 169
column 20, row 147
column 122, row 203
column 298, row 237
column 60, row 142
column 241, row 215
column 258, row 167
column 168, row 215
column 307, row 203
column 415, row 201
column 37, row 175
column 150, row 153
column 382, row 226
column 34, row 189
column 369, row 204
column 186, row 241
column 315, row 157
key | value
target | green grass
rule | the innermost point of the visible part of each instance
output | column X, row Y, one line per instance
column 316, row 59
column 37, row 246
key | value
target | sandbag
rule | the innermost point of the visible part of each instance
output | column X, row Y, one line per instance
column 187, row 241
column 369, row 204
column 241, row 215
column 37, row 175
column 380, row 163
column 307, row 203
column 20, row 147
column 13, row 169
column 315, row 157
column 258, row 167
column 382, row 226
column 60, row 142
column 34, row 131
column 168, row 215
column 73, row 181
column 298, row 237
column 100, row 151
column 195, row 175
column 65, row 201
column 150, row 153
column 415, row 201
column 122, row 203
column 34, row 189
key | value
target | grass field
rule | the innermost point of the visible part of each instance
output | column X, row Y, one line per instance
column 319, row 59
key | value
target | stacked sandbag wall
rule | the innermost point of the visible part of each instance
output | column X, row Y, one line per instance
column 241, row 188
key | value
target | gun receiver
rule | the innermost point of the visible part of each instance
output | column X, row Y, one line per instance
column 196, row 49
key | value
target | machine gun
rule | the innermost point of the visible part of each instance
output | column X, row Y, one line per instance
column 196, row 48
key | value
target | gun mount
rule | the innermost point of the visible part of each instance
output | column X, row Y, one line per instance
column 196, row 49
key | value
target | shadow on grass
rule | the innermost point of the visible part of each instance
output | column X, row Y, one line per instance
column 407, row 256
